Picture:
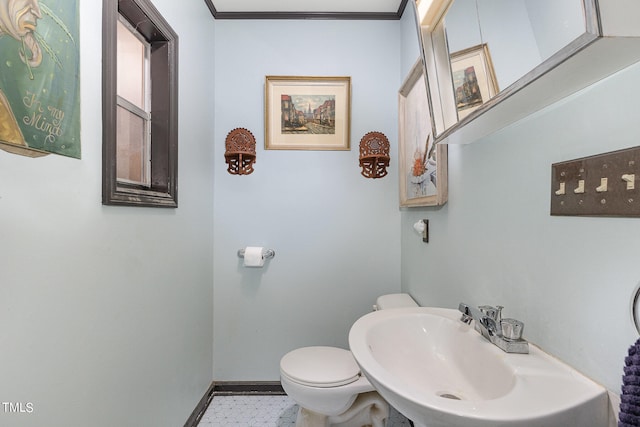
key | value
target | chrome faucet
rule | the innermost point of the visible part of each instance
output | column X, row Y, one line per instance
column 504, row 333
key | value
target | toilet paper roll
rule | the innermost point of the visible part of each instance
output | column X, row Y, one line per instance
column 253, row 256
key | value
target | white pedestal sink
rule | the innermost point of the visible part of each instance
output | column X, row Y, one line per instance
column 439, row 372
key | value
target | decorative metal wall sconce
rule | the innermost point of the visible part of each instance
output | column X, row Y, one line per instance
column 374, row 155
column 240, row 152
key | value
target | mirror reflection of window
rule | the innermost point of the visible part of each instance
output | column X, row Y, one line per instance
column 133, row 112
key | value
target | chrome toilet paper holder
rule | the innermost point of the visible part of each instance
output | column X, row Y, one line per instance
column 266, row 253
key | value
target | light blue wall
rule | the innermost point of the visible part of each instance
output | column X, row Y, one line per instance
column 410, row 46
column 335, row 233
column 106, row 312
column 569, row 279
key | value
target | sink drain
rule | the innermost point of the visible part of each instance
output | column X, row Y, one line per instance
column 449, row 396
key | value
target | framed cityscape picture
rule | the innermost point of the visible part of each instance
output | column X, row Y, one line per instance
column 307, row 113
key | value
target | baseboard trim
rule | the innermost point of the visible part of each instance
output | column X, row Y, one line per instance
column 222, row 388
column 230, row 388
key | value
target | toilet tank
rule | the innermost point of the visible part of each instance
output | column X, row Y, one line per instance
column 394, row 301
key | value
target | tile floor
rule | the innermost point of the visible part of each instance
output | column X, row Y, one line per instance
column 263, row 411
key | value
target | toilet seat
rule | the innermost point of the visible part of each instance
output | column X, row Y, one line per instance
column 320, row 366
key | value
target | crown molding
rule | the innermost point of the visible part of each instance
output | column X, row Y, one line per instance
column 308, row 15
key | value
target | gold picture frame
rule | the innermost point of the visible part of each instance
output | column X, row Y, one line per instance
column 474, row 79
column 423, row 164
column 307, row 113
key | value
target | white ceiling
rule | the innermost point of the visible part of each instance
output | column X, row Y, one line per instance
column 309, row 7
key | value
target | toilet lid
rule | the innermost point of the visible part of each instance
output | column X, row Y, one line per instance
column 320, row 366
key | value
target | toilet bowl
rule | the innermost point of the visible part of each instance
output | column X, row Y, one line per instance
column 328, row 386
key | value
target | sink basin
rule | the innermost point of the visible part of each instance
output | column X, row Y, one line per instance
column 440, row 372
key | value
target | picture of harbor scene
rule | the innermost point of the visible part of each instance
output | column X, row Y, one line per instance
column 308, row 114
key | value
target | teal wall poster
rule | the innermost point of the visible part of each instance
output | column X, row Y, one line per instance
column 40, row 77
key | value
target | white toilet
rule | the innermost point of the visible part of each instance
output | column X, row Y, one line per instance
column 327, row 385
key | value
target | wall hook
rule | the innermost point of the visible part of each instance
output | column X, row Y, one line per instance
column 422, row 227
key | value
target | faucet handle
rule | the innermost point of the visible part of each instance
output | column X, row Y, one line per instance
column 511, row 329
